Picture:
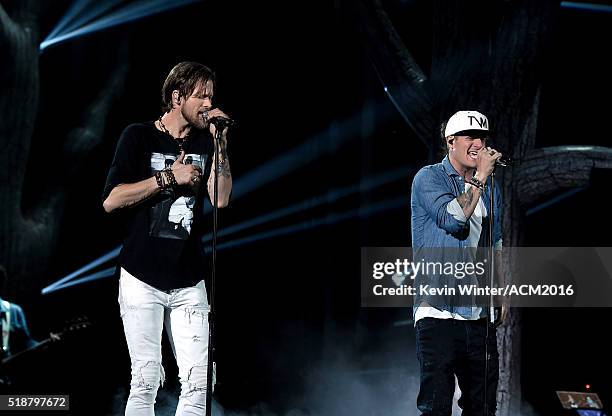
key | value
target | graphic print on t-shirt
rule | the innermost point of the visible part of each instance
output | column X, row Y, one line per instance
column 172, row 216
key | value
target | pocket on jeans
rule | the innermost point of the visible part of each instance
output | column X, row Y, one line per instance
column 132, row 294
column 126, row 279
column 427, row 323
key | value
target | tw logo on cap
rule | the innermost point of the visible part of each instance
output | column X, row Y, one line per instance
column 466, row 120
column 482, row 122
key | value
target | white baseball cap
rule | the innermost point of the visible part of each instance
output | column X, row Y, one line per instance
column 466, row 120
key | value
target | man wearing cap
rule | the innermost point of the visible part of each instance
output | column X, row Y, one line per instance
column 449, row 203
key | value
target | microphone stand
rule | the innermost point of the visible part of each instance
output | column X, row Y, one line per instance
column 211, row 313
column 491, row 312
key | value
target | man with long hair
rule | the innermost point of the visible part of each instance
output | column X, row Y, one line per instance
column 161, row 282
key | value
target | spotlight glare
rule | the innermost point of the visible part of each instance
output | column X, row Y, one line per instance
column 73, row 11
column 89, row 278
column 127, row 14
column 364, row 211
column 92, row 13
column 103, row 259
column 554, row 200
column 326, row 198
column 592, row 7
column 326, row 142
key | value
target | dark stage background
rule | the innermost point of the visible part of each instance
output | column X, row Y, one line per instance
column 292, row 338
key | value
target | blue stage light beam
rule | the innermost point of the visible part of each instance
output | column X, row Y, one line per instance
column 326, row 198
column 127, row 14
column 366, row 211
column 591, row 7
column 102, row 274
column 101, row 260
column 554, row 200
column 294, row 159
column 314, row 148
column 93, row 12
column 75, row 8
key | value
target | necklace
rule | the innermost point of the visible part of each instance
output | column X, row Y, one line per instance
column 165, row 130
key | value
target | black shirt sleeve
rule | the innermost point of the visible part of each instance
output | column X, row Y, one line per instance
column 126, row 166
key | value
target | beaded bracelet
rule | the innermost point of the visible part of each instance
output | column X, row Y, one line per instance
column 477, row 183
column 160, row 180
column 170, row 177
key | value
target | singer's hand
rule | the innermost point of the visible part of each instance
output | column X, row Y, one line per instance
column 185, row 174
column 215, row 112
column 485, row 162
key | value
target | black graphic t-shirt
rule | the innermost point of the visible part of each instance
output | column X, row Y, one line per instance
column 162, row 245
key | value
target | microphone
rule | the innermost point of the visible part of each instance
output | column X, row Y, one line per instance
column 223, row 122
column 504, row 162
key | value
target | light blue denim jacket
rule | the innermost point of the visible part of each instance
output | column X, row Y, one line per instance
column 433, row 188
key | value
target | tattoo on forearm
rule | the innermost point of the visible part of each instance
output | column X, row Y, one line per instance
column 224, row 167
column 466, row 198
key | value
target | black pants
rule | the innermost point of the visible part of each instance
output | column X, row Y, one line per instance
column 449, row 347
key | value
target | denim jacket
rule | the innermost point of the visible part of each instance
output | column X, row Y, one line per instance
column 434, row 187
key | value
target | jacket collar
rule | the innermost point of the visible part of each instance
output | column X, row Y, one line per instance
column 448, row 167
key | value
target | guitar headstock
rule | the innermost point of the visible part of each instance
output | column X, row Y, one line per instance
column 73, row 325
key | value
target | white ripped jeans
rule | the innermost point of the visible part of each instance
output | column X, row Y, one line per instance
column 184, row 312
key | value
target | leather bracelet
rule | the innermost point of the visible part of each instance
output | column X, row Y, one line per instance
column 170, row 176
column 159, row 179
column 477, row 183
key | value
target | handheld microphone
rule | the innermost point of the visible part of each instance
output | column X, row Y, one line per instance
column 504, row 162
column 223, row 122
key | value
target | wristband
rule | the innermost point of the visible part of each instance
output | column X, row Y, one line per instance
column 477, row 183
column 159, row 179
column 170, row 177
